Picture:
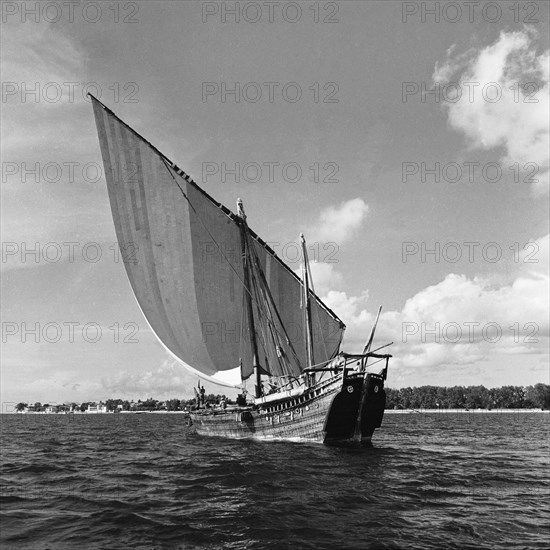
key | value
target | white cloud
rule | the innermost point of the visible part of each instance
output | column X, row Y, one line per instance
column 339, row 224
column 351, row 310
column 42, row 60
column 535, row 257
column 466, row 314
column 325, row 277
column 45, row 77
column 444, row 73
column 519, row 120
column 170, row 379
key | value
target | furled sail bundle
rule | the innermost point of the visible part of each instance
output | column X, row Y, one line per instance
column 183, row 253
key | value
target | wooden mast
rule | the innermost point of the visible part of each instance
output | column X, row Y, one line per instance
column 368, row 345
column 306, row 304
column 248, row 297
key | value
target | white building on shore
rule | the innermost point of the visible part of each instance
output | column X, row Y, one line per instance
column 95, row 409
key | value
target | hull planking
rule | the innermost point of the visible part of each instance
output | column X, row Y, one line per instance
column 342, row 411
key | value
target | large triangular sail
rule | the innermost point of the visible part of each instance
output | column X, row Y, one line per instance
column 186, row 266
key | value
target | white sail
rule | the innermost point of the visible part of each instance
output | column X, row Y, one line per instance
column 183, row 257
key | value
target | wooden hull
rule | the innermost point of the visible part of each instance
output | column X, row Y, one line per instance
column 341, row 412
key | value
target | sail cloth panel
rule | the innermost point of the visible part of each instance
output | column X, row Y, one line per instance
column 281, row 359
column 286, row 289
column 189, row 290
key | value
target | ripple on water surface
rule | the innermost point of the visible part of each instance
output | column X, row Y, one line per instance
column 432, row 480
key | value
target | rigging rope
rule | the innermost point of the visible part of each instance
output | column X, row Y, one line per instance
column 271, row 299
column 169, row 168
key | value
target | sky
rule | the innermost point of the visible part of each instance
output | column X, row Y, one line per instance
column 409, row 146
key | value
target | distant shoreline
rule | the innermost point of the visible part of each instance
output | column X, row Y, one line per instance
column 462, row 411
column 387, row 411
column 86, row 413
